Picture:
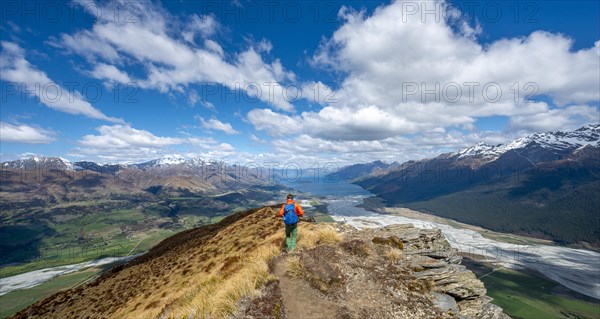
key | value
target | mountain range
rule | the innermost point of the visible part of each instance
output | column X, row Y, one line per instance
column 50, row 203
column 362, row 169
column 545, row 185
column 51, row 178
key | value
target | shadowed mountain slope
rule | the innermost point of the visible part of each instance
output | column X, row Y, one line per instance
column 545, row 185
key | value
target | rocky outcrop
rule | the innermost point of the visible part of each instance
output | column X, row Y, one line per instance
column 430, row 256
column 396, row 272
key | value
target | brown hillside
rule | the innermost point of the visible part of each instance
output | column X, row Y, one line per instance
column 203, row 270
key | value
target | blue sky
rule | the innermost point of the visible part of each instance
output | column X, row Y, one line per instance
column 125, row 81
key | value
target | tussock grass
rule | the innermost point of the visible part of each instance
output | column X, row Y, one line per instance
column 295, row 267
column 393, row 255
column 219, row 297
column 310, row 236
column 328, row 235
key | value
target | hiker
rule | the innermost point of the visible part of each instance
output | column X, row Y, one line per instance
column 290, row 211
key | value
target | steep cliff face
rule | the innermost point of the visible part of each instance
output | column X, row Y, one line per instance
column 235, row 269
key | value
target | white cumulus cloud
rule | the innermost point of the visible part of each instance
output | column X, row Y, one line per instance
column 125, row 137
column 411, row 74
column 123, row 143
column 110, row 72
column 215, row 124
column 16, row 69
column 22, row 133
column 166, row 51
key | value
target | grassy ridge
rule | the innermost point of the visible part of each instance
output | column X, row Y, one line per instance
column 199, row 272
column 17, row 300
column 77, row 231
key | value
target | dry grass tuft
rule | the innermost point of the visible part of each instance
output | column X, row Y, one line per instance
column 328, row 235
column 393, row 255
column 310, row 236
column 294, row 267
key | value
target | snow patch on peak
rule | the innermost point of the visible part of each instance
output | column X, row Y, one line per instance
column 170, row 160
column 480, row 149
column 559, row 140
column 64, row 160
column 196, row 161
column 37, row 162
column 173, row 159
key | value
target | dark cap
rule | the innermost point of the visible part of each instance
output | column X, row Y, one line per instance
column 290, row 196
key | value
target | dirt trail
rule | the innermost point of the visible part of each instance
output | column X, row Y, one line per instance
column 299, row 298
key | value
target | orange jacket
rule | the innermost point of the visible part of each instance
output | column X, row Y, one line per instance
column 299, row 210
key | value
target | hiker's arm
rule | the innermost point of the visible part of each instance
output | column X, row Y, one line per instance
column 281, row 211
column 299, row 210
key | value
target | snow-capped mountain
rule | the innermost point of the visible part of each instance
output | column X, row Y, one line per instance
column 172, row 174
column 59, row 163
column 40, row 162
column 544, row 184
column 558, row 141
column 174, row 160
column 167, row 160
column 480, row 149
column 100, row 168
column 483, row 163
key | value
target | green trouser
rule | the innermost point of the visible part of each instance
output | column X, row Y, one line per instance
column 291, row 233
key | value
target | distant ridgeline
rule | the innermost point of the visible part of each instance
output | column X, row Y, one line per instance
column 545, row 185
column 56, row 212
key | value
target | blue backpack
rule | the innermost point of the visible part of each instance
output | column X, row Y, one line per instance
column 289, row 214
